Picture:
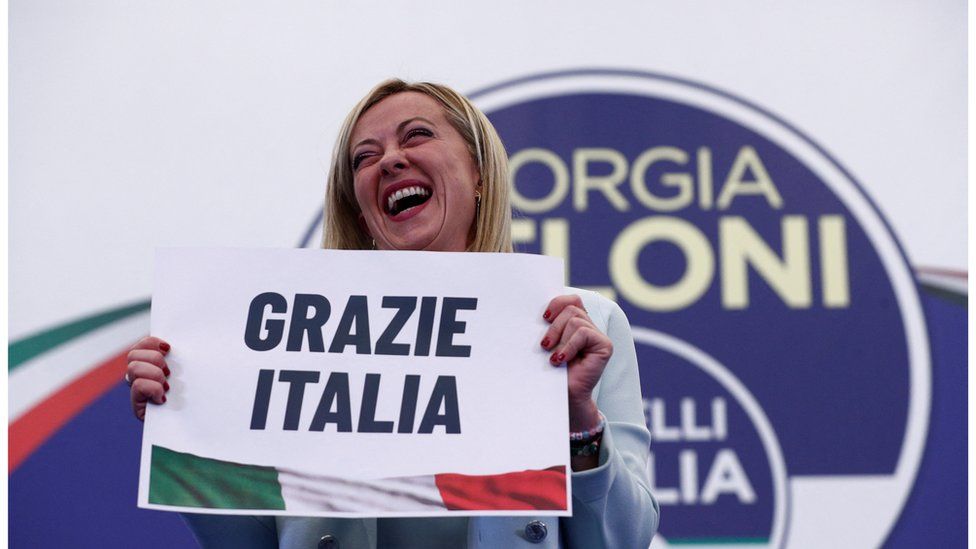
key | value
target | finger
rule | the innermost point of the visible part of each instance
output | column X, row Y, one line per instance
column 560, row 351
column 559, row 303
column 157, row 363
column 555, row 333
column 144, row 391
column 151, row 357
column 584, row 340
column 145, row 370
column 152, row 343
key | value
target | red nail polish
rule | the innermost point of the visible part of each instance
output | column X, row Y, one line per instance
column 554, row 358
column 166, row 371
column 164, row 398
column 547, row 315
column 545, row 343
column 561, row 357
column 166, row 386
column 164, row 347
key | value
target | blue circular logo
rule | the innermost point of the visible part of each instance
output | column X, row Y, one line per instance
column 782, row 347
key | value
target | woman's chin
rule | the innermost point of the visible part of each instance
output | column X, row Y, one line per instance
column 429, row 229
column 420, row 232
column 407, row 243
column 428, row 244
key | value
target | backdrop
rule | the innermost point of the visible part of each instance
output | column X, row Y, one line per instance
column 775, row 194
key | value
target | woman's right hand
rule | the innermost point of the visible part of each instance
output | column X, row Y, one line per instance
column 146, row 373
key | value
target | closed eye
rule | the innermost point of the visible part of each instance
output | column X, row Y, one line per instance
column 358, row 159
column 418, row 132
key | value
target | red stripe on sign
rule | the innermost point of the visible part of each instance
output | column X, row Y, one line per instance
column 39, row 423
column 524, row 490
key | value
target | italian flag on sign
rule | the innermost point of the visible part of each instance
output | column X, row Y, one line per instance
column 185, row 480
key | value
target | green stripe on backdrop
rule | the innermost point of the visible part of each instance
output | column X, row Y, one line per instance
column 951, row 296
column 186, row 480
column 24, row 349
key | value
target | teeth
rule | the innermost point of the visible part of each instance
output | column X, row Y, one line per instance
column 403, row 193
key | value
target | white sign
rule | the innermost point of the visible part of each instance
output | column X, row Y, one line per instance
column 351, row 383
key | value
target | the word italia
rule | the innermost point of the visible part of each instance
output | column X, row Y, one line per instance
column 335, row 406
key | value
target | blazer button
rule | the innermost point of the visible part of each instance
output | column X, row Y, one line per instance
column 328, row 541
column 536, row 531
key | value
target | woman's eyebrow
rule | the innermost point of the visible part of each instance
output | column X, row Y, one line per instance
column 404, row 124
column 363, row 142
column 399, row 129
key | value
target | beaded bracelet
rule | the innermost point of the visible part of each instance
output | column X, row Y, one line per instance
column 582, row 438
column 591, row 449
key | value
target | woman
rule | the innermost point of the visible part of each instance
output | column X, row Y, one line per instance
column 418, row 167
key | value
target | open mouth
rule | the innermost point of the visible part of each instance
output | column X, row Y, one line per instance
column 408, row 197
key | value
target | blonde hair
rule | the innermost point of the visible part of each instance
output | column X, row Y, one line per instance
column 493, row 226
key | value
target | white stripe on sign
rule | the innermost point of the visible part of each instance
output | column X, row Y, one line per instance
column 303, row 492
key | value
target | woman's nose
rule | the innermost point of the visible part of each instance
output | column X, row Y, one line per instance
column 393, row 161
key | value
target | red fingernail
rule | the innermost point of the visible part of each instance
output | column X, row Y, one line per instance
column 164, row 398
column 545, row 343
column 164, row 347
column 554, row 358
column 547, row 315
column 166, row 386
column 166, row 371
column 561, row 357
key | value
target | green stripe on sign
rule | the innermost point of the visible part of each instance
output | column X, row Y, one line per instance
column 24, row 349
column 187, row 480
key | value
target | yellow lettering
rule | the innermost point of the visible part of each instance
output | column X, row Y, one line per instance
column 523, row 231
column 632, row 285
column 705, row 192
column 560, row 185
column 741, row 246
column 735, row 185
column 682, row 181
column 833, row 262
column 583, row 182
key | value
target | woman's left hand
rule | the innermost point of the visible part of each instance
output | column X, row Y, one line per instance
column 573, row 339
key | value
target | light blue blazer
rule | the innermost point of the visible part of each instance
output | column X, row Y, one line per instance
column 612, row 505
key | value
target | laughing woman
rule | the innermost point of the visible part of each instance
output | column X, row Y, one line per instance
column 418, row 167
